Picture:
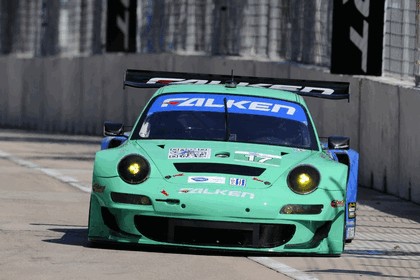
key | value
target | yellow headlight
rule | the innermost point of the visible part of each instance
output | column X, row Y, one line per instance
column 303, row 179
column 134, row 168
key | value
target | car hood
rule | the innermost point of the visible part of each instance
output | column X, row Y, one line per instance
column 213, row 164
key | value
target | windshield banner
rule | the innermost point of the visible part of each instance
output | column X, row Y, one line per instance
column 235, row 104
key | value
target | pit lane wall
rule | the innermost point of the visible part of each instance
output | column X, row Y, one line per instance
column 75, row 95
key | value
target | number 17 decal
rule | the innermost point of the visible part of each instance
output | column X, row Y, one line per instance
column 257, row 157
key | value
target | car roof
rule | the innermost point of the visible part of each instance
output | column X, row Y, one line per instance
column 240, row 90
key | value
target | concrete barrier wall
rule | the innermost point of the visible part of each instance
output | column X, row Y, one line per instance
column 76, row 95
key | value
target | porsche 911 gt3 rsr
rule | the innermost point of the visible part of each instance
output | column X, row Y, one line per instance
column 228, row 166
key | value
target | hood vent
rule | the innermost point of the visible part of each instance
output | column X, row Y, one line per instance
column 219, row 168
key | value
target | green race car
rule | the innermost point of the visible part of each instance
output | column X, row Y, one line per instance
column 226, row 166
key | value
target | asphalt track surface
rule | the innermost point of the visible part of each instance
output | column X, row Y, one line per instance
column 44, row 195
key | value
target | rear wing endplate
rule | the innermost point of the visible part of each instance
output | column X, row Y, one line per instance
column 157, row 79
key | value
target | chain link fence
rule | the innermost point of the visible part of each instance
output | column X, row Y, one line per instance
column 276, row 30
column 401, row 40
column 294, row 30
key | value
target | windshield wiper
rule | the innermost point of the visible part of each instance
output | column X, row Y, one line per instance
column 227, row 130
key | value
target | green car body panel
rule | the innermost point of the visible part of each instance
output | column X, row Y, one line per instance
column 242, row 202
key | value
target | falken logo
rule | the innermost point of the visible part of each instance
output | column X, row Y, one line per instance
column 205, row 191
column 177, row 81
column 242, row 104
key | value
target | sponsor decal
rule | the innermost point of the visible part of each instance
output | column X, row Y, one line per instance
column 199, row 179
column 176, row 175
column 337, row 203
column 352, row 210
column 298, row 88
column 189, row 153
column 207, row 179
column 237, row 182
column 204, row 191
column 234, row 103
column 240, row 104
column 351, row 232
column 261, row 181
column 350, row 223
column 258, row 158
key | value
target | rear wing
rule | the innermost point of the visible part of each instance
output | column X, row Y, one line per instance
column 157, row 79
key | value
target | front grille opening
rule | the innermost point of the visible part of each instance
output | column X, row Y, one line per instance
column 109, row 219
column 198, row 167
column 214, row 233
column 213, row 236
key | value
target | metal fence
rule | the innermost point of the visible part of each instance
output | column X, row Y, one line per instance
column 277, row 30
column 295, row 30
column 401, row 39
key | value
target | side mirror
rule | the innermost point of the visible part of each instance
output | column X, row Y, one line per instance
column 338, row 143
column 113, row 129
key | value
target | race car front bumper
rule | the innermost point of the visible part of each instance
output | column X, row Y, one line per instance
column 131, row 222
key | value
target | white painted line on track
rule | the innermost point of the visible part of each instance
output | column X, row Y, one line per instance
column 53, row 173
column 282, row 268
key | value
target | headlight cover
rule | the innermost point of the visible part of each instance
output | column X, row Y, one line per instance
column 133, row 169
column 303, row 179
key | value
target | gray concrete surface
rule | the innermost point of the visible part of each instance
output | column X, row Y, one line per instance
column 75, row 95
column 43, row 228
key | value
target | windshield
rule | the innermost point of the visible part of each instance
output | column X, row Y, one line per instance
column 219, row 117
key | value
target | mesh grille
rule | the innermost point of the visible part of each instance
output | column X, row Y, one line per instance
column 214, row 233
